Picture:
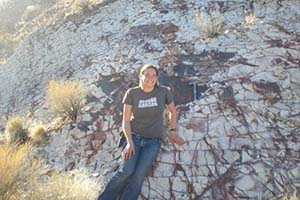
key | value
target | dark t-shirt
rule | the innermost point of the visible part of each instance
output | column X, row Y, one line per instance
column 147, row 110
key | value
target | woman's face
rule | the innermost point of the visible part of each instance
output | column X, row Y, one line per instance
column 149, row 78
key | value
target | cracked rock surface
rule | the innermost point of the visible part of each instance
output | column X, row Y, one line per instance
column 242, row 131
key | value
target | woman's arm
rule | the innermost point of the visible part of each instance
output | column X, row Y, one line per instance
column 129, row 149
column 174, row 138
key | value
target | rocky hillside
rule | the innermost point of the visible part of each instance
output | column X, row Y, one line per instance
column 233, row 67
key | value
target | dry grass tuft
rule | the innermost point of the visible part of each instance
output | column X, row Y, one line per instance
column 250, row 19
column 17, row 171
column 83, row 5
column 38, row 133
column 210, row 24
column 74, row 185
column 16, row 130
column 66, row 98
column 23, row 177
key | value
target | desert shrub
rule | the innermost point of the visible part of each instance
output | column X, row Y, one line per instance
column 66, row 98
column 72, row 185
column 16, row 130
column 2, row 138
column 18, row 171
column 250, row 19
column 83, row 5
column 31, row 12
column 38, row 133
column 210, row 24
column 24, row 177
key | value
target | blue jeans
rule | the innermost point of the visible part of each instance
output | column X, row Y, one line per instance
column 127, row 182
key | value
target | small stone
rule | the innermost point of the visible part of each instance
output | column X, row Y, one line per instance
column 240, row 71
column 245, row 183
column 224, row 142
column 231, row 156
column 164, row 170
column 178, row 185
column 211, row 99
column 295, row 172
column 246, row 157
column 86, row 117
column 286, row 95
column 205, row 109
column 100, row 136
column 77, row 133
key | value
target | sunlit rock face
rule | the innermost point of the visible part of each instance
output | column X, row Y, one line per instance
column 240, row 119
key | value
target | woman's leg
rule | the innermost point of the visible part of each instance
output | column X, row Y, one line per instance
column 148, row 153
column 119, row 180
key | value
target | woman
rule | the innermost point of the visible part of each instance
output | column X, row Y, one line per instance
column 142, row 126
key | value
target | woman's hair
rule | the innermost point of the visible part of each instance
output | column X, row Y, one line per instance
column 144, row 68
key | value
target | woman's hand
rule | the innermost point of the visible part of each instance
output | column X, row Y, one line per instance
column 175, row 139
column 128, row 150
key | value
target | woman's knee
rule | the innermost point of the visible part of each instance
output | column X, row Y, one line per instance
column 126, row 172
column 138, row 178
